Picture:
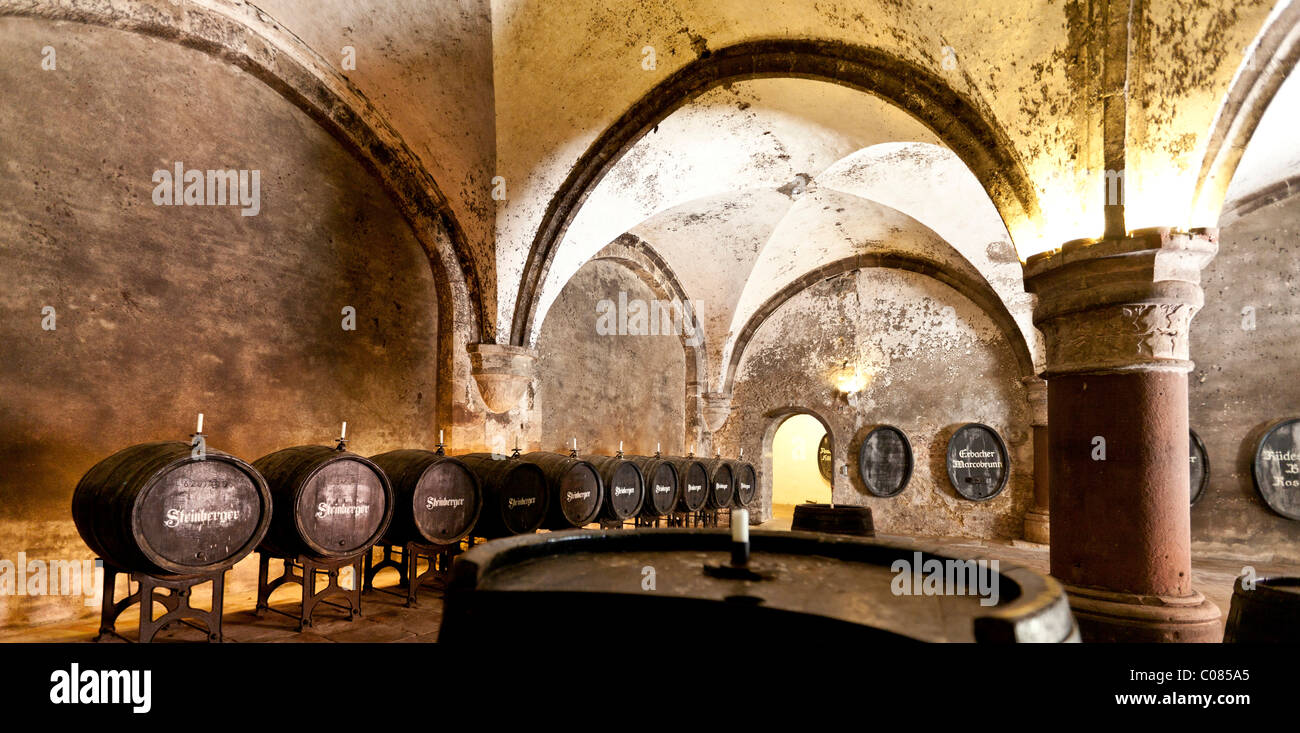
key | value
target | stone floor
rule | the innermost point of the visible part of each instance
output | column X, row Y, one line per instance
column 386, row 619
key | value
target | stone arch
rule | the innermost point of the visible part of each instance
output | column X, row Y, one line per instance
column 774, row 419
column 979, row 142
column 978, row 292
column 244, row 36
column 1268, row 64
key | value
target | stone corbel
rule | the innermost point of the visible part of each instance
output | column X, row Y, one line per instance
column 716, row 409
column 503, row 373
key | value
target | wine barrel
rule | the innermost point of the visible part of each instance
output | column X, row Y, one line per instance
column 515, row 496
column 662, row 485
column 329, row 503
column 1267, row 613
column 436, row 499
column 624, row 487
column 577, row 491
column 796, row 586
column 840, row 519
column 722, row 483
column 746, row 482
column 692, row 482
column 154, row 508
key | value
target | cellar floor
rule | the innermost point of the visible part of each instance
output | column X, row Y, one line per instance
column 387, row 619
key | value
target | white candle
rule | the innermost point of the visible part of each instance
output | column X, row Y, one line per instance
column 575, row 443
column 200, row 428
column 440, row 436
column 620, row 446
column 657, row 448
column 345, row 431
column 740, row 525
column 742, row 454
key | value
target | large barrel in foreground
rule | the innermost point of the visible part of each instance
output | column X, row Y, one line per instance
column 693, row 483
column 515, row 498
column 154, row 508
column 661, row 485
column 624, row 487
column 436, row 499
column 577, row 491
column 1267, row 612
column 746, row 482
column 797, row 586
column 329, row 503
column 722, row 483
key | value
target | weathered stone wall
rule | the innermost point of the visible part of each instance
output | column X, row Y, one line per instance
column 605, row 388
column 942, row 363
column 166, row 311
column 1245, row 380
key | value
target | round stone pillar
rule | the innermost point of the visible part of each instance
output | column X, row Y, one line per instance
column 1037, row 519
column 1115, row 317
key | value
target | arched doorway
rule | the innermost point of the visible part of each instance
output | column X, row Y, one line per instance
column 797, row 447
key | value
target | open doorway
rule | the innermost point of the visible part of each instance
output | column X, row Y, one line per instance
column 800, row 448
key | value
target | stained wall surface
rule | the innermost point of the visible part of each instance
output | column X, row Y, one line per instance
column 162, row 312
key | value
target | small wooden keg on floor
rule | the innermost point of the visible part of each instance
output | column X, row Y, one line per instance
column 624, row 488
column 833, row 519
column 331, row 507
column 515, row 497
column 169, row 515
column 661, row 485
column 436, row 502
column 576, row 489
column 1266, row 612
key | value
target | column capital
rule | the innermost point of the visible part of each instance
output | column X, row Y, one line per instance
column 503, row 373
column 1118, row 305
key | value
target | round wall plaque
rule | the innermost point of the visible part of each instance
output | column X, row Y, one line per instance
column 1277, row 468
column 1200, row 466
column 885, row 461
column 824, row 462
column 977, row 462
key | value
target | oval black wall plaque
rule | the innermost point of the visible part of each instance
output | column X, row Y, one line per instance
column 1199, row 463
column 1277, row 468
column 977, row 462
column 885, row 461
column 824, row 461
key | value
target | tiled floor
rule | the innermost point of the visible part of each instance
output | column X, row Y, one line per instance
column 386, row 619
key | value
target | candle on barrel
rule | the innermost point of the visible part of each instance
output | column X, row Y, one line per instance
column 739, row 537
column 199, row 430
column 344, row 434
column 439, row 437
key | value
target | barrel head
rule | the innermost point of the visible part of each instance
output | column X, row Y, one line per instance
column 626, row 491
column 723, row 486
column 661, row 490
column 746, row 484
column 885, row 461
column 523, row 499
column 342, row 507
column 977, row 462
column 579, row 495
column 445, row 503
column 199, row 515
column 1276, row 468
column 695, row 486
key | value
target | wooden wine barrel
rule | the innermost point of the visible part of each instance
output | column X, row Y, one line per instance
column 154, row 508
column 798, row 586
column 839, row 519
column 436, row 499
column 515, row 496
column 662, row 485
column 746, row 482
column 692, row 482
column 722, row 483
column 1268, row 613
column 577, row 491
column 624, row 487
column 329, row 503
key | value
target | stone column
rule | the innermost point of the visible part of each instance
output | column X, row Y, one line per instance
column 1037, row 519
column 1115, row 316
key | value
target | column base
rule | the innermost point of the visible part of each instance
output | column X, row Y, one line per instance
column 1038, row 527
column 1107, row 616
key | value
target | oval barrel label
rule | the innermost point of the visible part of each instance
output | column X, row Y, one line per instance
column 445, row 502
column 1199, row 465
column 885, row 461
column 825, row 463
column 580, row 494
column 523, row 499
column 1277, row 468
column 746, row 485
column 977, row 462
column 342, row 506
column 663, row 489
column 695, row 492
column 724, row 483
column 201, row 513
column 625, row 491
